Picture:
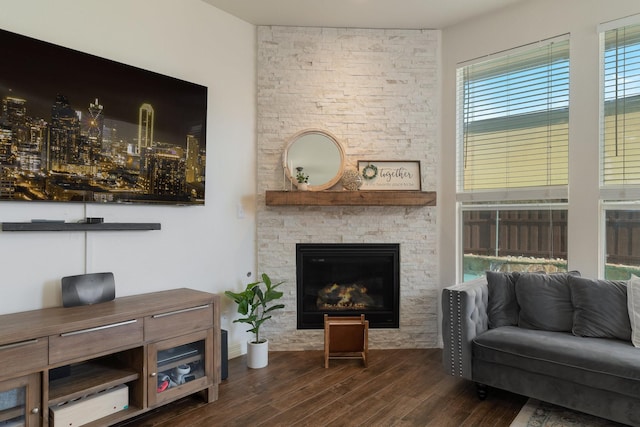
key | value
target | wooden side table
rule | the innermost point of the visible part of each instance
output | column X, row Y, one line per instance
column 345, row 337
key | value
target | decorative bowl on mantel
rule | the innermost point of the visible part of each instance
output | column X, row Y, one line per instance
column 351, row 180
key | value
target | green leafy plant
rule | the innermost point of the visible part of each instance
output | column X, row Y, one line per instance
column 301, row 177
column 253, row 303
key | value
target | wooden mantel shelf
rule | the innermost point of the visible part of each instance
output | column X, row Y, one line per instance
column 351, row 198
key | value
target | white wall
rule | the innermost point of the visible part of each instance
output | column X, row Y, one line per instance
column 201, row 247
column 521, row 24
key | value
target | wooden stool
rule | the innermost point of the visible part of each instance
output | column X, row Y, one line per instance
column 345, row 338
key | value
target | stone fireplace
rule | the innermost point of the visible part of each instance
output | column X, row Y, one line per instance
column 348, row 280
column 377, row 92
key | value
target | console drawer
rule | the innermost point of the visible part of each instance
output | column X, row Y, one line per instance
column 23, row 356
column 84, row 343
column 178, row 322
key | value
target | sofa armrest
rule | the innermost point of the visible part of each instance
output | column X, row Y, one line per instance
column 464, row 316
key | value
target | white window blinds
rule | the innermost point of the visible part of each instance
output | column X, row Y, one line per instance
column 621, row 118
column 513, row 120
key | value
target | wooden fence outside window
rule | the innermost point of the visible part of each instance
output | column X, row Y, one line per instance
column 542, row 234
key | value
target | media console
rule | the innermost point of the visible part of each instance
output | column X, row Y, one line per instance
column 113, row 360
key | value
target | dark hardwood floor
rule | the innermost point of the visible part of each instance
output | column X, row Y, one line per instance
column 398, row 388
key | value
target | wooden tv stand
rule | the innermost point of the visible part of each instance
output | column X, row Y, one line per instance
column 58, row 356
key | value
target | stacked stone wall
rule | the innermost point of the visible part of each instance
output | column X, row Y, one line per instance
column 377, row 92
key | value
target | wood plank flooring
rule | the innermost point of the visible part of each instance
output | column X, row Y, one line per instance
column 399, row 388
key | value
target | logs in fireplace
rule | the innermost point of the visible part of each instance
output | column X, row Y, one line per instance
column 348, row 279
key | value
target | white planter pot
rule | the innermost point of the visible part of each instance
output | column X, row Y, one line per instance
column 303, row 186
column 257, row 354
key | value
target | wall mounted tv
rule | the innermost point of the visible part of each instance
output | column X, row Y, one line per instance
column 78, row 128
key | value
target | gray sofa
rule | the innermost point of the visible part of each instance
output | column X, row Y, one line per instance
column 558, row 338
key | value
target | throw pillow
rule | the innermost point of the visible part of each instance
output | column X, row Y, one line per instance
column 502, row 308
column 545, row 301
column 600, row 308
column 633, row 301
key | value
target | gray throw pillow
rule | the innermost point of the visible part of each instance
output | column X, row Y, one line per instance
column 502, row 308
column 545, row 301
column 600, row 308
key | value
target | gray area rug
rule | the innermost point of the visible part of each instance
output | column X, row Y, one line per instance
column 541, row 414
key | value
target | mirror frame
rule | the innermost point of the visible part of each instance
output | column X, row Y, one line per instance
column 295, row 138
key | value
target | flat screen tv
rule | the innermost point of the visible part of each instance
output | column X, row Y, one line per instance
column 75, row 127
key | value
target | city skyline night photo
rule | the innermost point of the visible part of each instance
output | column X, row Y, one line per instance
column 76, row 127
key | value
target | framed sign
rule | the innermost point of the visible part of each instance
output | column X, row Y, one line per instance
column 390, row 175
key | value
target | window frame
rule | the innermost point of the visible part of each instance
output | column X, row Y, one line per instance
column 613, row 197
column 505, row 193
column 613, row 191
column 551, row 197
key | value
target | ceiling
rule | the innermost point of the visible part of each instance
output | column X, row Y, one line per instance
column 398, row 14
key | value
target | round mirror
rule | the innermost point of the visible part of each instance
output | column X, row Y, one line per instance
column 320, row 156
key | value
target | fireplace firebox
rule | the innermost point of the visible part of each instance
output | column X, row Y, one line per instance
column 345, row 279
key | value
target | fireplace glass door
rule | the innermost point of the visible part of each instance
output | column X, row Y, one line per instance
column 348, row 279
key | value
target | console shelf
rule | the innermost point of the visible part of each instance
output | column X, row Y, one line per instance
column 351, row 198
column 79, row 226
column 8, row 414
column 86, row 379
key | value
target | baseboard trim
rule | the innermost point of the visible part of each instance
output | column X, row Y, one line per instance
column 235, row 350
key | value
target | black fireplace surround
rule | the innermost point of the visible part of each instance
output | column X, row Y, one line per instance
column 348, row 279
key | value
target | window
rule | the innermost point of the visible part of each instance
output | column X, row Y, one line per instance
column 621, row 127
column 620, row 149
column 622, row 230
column 508, row 239
column 512, row 171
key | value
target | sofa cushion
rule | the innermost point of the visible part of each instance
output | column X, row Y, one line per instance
column 545, row 301
column 502, row 308
column 607, row 364
column 633, row 306
column 600, row 308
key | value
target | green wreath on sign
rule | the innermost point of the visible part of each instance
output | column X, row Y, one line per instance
column 370, row 171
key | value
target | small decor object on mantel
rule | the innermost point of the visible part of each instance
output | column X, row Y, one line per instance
column 351, row 180
column 253, row 303
column 390, row 175
column 303, row 179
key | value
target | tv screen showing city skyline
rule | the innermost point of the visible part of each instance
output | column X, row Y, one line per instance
column 75, row 127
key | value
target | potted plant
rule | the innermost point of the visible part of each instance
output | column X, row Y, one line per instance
column 254, row 304
column 303, row 179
